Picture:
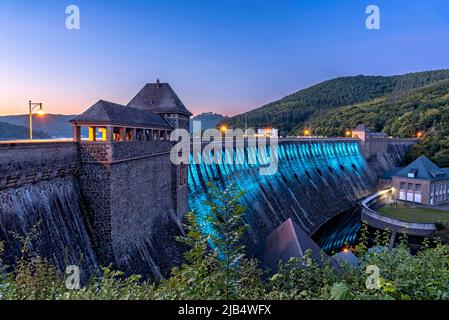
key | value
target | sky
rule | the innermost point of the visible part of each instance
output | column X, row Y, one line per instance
column 225, row 56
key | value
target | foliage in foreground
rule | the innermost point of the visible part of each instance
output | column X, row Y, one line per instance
column 215, row 267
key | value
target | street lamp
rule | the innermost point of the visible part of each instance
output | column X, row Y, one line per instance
column 40, row 112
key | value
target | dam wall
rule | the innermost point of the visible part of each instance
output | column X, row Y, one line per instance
column 39, row 190
column 316, row 180
column 129, row 191
column 93, row 204
column 121, row 203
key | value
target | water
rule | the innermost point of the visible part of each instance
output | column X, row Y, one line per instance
column 339, row 231
column 55, row 208
column 315, row 182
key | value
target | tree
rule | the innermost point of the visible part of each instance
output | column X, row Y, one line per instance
column 215, row 266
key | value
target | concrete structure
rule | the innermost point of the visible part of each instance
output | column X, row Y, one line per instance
column 285, row 242
column 127, row 179
column 378, row 221
column 159, row 98
column 422, row 181
column 268, row 132
column 373, row 143
column 116, row 187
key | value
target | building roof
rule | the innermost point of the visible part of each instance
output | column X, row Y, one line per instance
column 362, row 127
column 390, row 173
column 160, row 98
column 377, row 134
column 109, row 113
column 423, row 168
column 287, row 241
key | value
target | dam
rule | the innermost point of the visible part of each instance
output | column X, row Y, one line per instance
column 316, row 180
column 117, row 200
column 41, row 184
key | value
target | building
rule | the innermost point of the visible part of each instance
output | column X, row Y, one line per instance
column 134, row 194
column 422, row 181
column 364, row 133
column 268, row 132
column 285, row 242
column 373, row 143
column 159, row 98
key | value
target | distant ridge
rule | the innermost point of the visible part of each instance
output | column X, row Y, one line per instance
column 397, row 105
column 208, row 120
column 291, row 113
column 14, row 132
column 54, row 125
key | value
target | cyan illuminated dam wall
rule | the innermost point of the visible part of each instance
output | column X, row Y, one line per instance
column 316, row 180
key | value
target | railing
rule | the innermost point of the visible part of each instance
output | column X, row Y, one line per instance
column 379, row 221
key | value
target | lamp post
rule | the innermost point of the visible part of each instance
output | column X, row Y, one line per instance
column 33, row 106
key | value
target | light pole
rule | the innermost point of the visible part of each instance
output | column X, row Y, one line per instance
column 33, row 106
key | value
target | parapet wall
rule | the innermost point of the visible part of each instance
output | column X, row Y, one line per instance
column 23, row 163
column 113, row 152
column 378, row 221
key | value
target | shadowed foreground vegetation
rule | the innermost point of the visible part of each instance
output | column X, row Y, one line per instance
column 224, row 272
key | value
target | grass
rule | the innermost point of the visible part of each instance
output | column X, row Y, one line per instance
column 415, row 214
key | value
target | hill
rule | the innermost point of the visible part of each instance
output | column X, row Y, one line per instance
column 13, row 132
column 423, row 109
column 397, row 105
column 55, row 125
column 291, row 114
column 208, row 120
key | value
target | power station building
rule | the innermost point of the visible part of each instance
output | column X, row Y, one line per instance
column 422, row 181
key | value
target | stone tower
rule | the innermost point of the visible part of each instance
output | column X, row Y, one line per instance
column 135, row 196
column 161, row 99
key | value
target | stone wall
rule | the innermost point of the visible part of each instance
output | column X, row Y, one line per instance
column 95, row 152
column 39, row 189
column 377, row 221
column 143, row 216
column 24, row 163
column 132, row 196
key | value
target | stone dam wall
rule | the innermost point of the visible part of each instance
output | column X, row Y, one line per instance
column 99, row 203
column 39, row 190
column 317, row 179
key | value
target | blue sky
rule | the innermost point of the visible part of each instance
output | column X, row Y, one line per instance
column 225, row 56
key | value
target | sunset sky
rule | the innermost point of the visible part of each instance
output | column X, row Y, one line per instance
column 225, row 56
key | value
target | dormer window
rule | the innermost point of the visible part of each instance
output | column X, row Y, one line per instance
column 412, row 173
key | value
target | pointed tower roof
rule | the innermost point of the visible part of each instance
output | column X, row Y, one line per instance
column 160, row 98
column 362, row 127
column 287, row 241
column 422, row 168
column 109, row 113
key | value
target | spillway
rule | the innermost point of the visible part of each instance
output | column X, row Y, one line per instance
column 314, row 182
column 54, row 208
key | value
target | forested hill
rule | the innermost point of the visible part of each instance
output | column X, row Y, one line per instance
column 423, row 109
column 14, row 132
column 292, row 113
